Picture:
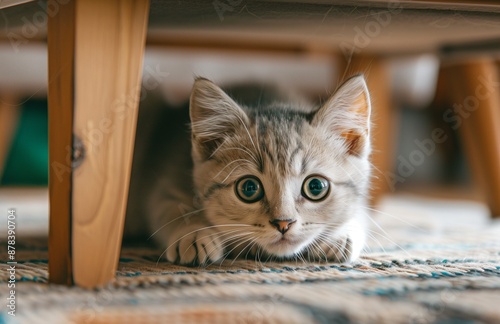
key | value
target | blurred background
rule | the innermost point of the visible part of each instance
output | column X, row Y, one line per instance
column 303, row 50
column 26, row 163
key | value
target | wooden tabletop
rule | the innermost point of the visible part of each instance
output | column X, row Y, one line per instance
column 385, row 27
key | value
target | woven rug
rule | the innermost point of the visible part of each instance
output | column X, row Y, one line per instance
column 419, row 268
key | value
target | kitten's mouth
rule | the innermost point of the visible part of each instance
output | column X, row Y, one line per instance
column 285, row 241
column 284, row 246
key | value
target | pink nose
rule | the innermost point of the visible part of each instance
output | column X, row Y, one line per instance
column 282, row 225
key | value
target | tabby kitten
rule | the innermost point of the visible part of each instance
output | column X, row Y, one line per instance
column 277, row 181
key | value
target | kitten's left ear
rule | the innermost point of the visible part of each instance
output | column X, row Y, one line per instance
column 347, row 113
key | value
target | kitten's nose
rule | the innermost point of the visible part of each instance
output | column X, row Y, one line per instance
column 282, row 225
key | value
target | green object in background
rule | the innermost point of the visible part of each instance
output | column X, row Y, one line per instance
column 27, row 160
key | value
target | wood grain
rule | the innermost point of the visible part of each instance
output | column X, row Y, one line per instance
column 61, row 39
column 110, row 41
column 9, row 115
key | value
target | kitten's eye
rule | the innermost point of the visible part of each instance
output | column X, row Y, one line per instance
column 315, row 188
column 249, row 189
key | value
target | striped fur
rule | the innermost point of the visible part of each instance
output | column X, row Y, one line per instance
column 281, row 144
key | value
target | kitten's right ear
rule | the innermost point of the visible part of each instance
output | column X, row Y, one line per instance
column 214, row 117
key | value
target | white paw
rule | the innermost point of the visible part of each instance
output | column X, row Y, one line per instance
column 194, row 245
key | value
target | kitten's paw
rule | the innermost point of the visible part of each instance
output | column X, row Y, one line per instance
column 194, row 245
column 339, row 251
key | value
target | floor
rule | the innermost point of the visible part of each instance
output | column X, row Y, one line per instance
column 429, row 261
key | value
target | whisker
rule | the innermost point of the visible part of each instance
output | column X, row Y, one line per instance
column 320, row 249
column 393, row 216
column 347, row 173
column 251, row 247
column 376, row 224
column 368, row 232
column 258, row 255
column 250, row 240
column 259, row 150
column 334, row 246
column 248, row 132
column 229, row 174
column 230, row 163
column 354, row 166
column 197, row 230
column 302, row 257
column 220, row 234
column 236, row 246
column 267, row 258
column 243, row 150
column 173, row 220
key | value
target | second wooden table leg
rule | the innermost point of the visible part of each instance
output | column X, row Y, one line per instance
column 476, row 106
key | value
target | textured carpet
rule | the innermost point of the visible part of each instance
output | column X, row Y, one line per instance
column 421, row 268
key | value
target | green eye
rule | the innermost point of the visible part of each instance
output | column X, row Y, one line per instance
column 315, row 188
column 249, row 189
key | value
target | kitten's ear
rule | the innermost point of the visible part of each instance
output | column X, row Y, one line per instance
column 214, row 117
column 347, row 113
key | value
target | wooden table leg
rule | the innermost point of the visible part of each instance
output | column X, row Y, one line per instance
column 475, row 87
column 102, row 65
column 61, row 46
column 383, row 131
column 9, row 115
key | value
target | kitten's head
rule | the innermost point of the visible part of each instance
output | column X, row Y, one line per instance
column 280, row 178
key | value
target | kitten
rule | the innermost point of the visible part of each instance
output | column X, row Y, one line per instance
column 278, row 181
